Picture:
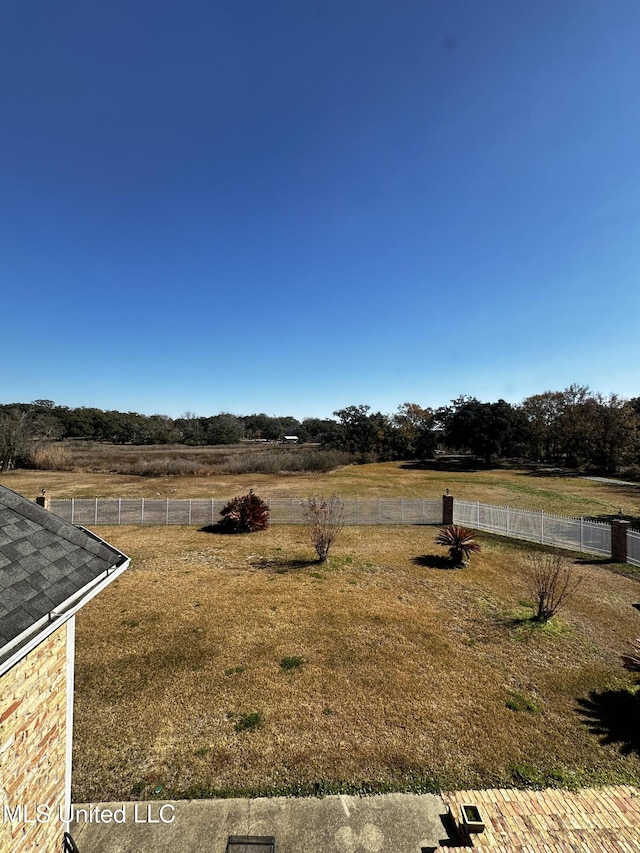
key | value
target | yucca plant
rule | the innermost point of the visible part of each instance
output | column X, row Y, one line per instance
column 245, row 514
column 460, row 541
column 631, row 660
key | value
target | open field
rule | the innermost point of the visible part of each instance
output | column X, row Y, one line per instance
column 562, row 494
column 400, row 674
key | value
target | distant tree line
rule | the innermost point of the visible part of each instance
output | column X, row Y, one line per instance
column 574, row 428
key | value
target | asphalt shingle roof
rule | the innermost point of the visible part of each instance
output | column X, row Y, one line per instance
column 43, row 561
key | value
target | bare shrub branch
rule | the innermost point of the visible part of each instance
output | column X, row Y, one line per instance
column 325, row 518
column 551, row 580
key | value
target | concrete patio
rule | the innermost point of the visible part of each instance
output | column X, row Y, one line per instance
column 388, row 823
column 591, row 820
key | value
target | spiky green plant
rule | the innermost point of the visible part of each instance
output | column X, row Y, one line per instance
column 460, row 541
column 631, row 660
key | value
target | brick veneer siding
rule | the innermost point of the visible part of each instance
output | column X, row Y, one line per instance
column 33, row 743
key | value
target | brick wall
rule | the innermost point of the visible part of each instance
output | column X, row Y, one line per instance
column 33, row 707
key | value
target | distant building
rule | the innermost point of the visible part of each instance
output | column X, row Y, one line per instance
column 290, row 439
column 49, row 569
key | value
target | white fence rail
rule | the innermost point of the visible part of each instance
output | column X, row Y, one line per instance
column 576, row 534
column 204, row 511
column 633, row 547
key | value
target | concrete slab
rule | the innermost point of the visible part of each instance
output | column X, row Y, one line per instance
column 388, row 823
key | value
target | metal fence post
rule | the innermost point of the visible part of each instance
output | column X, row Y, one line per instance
column 142, row 513
column 581, row 533
column 119, row 511
column 189, row 512
column 167, row 516
column 542, row 526
column 73, row 509
column 95, row 515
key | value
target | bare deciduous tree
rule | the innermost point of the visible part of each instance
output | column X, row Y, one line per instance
column 325, row 518
column 13, row 439
column 552, row 580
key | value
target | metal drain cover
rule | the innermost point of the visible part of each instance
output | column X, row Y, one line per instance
column 251, row 844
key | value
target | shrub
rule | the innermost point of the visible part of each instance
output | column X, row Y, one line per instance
column 551, row 580
column 460, row 541
column 325, row 520
column 245, row 514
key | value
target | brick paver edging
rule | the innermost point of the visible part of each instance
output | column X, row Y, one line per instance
column 592, row 820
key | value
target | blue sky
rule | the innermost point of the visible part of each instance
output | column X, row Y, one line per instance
column 293, row 206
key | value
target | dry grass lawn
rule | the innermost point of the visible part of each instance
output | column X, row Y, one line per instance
column 410, row 676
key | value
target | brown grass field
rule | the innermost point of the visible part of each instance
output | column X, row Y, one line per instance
column 562, row 494
column 411, row 676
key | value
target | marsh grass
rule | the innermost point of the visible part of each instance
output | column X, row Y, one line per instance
column 408, row 669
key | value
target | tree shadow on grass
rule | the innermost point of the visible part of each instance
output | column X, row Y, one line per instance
column 593, row 561
column 222, row 530
column 613, row 716
column 434, row 561
column 218, row 529
column 447, row 464
column 528, row 622
column 282, row 566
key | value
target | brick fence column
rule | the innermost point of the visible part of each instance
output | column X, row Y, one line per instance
column 44, row 501
column 447, row 509
column 619, row 529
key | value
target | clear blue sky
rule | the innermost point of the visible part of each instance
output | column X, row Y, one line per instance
column 291, row 206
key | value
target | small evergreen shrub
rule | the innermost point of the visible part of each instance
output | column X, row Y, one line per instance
column 245, row 514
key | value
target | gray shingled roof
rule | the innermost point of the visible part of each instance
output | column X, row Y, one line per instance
column 43, row 561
